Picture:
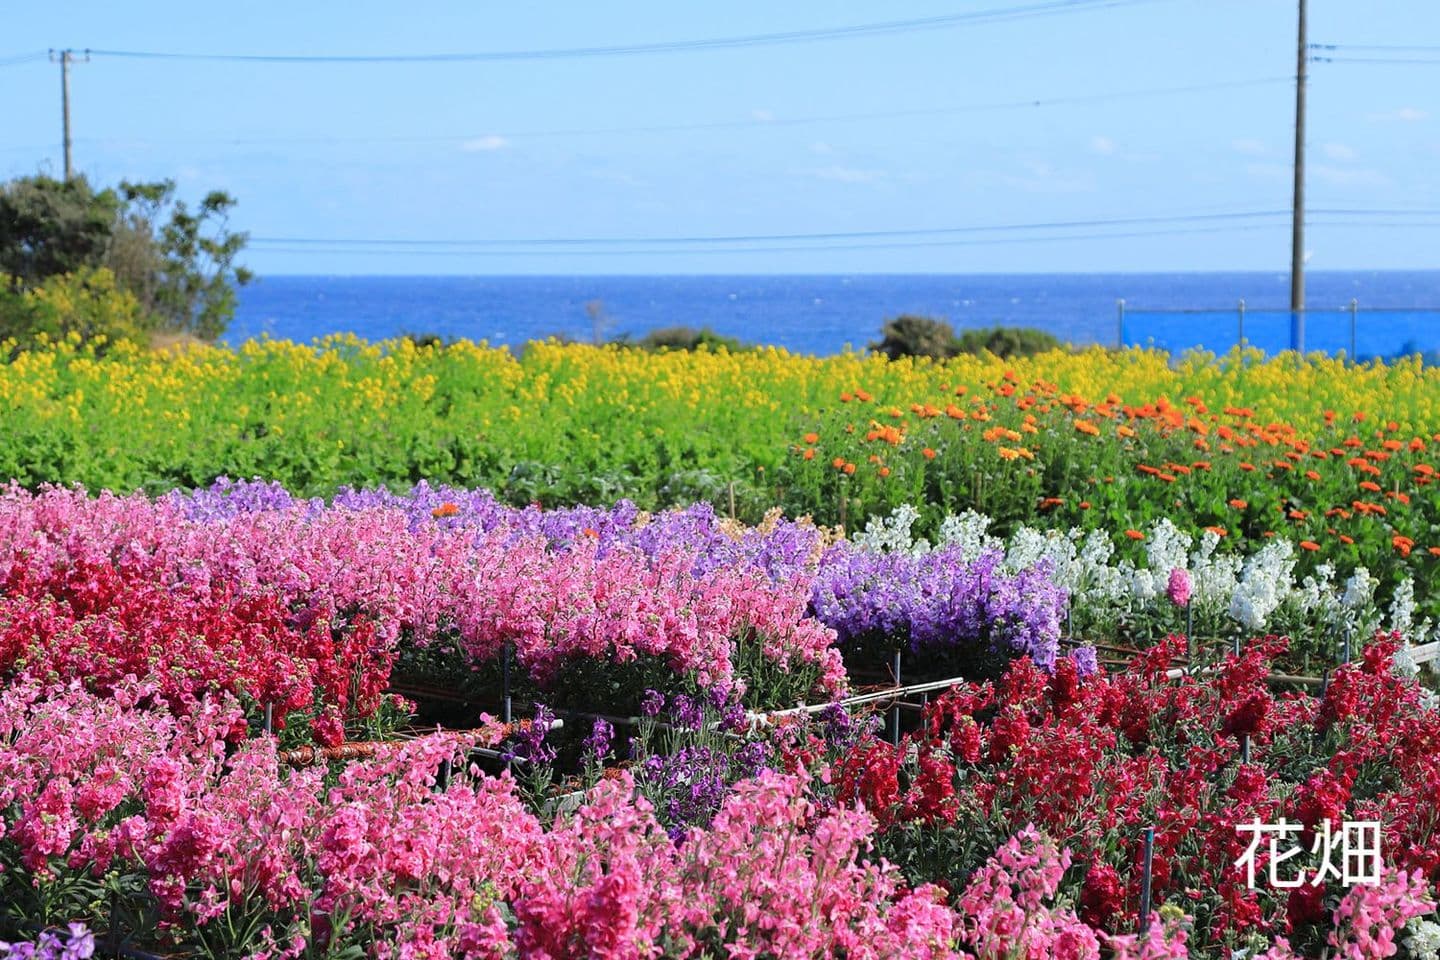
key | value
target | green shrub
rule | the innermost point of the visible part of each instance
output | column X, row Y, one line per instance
column 910, row 335
column 86, row 305
column 1006, row 342
column 685, row 338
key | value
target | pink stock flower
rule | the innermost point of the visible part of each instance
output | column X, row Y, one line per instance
column 1178, row 587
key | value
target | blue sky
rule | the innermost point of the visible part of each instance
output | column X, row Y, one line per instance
column 520, row 151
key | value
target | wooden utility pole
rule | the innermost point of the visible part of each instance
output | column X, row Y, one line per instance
column 1297, row 213
column 65, row 58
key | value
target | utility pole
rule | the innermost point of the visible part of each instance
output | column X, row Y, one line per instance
column 65, row 58
column 1297, row 213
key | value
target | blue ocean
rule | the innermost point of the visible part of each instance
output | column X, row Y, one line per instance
column 1395, row 312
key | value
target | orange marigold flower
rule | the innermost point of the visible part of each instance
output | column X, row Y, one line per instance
column 1084, row 504
column 1403, row 545
column 1134, row 534
column 1239, row 504
column 1310, row 545
column 1247, row 467
column 445, row 510
column 1085, row 426
column 1370, row 485
column 838, row 463
column 1346, row 540
column 1297, row 514
column 849, row 469
column 862, row 396
column 1218, row 531
column 1311, row 475
column 1201, row 465
column 1167, row 477
column 884, row 471
column 845, row 398
column 812, row 438
column 809, row 453
column 1124, row 431
column 1049, row 503
column 1433, row 551
column 928, row 453
column 954, row 412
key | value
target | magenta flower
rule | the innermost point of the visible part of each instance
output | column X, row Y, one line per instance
column 1178, row 589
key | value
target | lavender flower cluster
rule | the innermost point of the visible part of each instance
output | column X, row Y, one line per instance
column 782, row 550
column 78, row 943
column 938, row 601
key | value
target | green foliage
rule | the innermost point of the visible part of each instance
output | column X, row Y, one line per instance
column 1006, row 342
column 85, row 305
column 910, row 335
column 177, row 264
column 49, row 226
column 685, row 338
column 186, row 272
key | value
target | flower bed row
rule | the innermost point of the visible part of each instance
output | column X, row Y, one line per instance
column 305, row 607
column 1010, row 822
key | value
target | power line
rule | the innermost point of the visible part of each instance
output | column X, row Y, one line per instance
column 1376, row 47
column 472, row 253
column 752, row 123
column 781, row 249
column 996, row 15
column 19, row 58
column 775, row 237
column 1391, row 60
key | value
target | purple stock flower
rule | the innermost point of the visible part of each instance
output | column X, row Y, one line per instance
column 597, row 745
column 939, row 601
column 653, row 703
column 530, row 741
column 78, row 945
column 1086, row 663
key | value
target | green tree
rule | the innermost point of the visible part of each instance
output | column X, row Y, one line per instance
column 50, row 226
column 181, row 268
column 178, row 262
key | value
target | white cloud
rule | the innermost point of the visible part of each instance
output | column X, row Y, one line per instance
column 1249, row 147
column 1403, row 114
column 1041, row 177
column 1347, row 176
column 841, row 174
column 1340, row 152
column 485, row 144
column 1102, row 145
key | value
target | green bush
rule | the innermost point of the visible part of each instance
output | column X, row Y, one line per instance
column 1006, row 342
column 910, row 335
column 684, row 338
column 86, row 306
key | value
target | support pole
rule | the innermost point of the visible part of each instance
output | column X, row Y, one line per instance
column 1240, row 342
column 1297, row 212
column 1120, row 324
column 65, row 58
column 1147, row 868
